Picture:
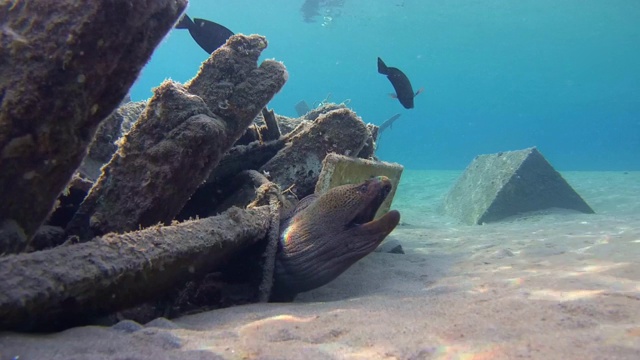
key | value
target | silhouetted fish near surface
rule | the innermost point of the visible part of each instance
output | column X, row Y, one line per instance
column 400, row 82
column 207, row 34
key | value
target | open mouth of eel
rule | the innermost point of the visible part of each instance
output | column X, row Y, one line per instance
column 377, row 190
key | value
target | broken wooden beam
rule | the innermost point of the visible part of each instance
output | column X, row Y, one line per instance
column 56, row 288
column 299, row 163
column 65, row 67
column 177, row 141
column 273, row 131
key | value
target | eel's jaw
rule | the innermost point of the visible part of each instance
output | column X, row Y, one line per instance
column 366, row 232
column 369, row 235
column 378, row 191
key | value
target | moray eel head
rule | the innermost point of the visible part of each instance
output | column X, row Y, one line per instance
column 329, row 233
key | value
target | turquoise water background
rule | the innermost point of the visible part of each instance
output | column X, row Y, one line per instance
column 498, row 75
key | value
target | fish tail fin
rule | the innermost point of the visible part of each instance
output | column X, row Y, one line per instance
column 382, row 67
column 185, row 22
column 419, row 91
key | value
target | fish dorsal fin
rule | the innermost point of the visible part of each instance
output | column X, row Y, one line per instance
column 382, row 67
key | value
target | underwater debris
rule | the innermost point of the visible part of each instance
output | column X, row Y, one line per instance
column 300, row 162
column 327, row 100
column 390, row 246
column 109, row 132
column 369, row 148
column 185, row 157
column 93, row 278
column 179, row 121
column 496, row 186
column 271, row 125
column 44, row 133
column 212, row 196
column 322, row 108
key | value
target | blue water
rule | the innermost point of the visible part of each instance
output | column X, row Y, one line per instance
column 563, row 75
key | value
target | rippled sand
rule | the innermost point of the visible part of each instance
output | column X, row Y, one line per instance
column 551, row 285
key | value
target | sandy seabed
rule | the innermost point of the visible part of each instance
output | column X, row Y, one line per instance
column 550, row 285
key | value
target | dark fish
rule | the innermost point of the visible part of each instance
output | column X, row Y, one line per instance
column 400, row 82
column 207, row 34
column 302, row 108
column 388, row 123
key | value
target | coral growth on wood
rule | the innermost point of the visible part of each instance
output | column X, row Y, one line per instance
column 178, row 196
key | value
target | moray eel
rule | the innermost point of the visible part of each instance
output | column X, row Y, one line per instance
column 327, row 234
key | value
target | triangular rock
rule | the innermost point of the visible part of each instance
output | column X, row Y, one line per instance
column 496, row 186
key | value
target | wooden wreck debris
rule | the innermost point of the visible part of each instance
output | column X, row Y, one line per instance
column 299, row 163
column 59, row 287
column 369, row 148
column 272, row 130
column 245, row 157
column 242, row 191
column 233, row 87
column 183, row 142
column 287, row 124
column 12, row 237
column 158, row 165
column 324, row 108
column 105, row 142
column 60, row 76
column 265, row 128
column 179, row 138
column 247, row 278
column 213, row 196
column 47, row 237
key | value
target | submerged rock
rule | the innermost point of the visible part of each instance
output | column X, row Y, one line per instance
column 497, row 186
column 391, row 246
